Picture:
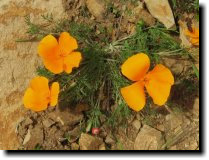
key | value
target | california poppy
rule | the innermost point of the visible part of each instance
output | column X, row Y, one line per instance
column 38, row 96
column 158, row 82
column 193, row 35
column 59, row 56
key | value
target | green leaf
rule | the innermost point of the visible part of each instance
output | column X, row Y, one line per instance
column 195, row 70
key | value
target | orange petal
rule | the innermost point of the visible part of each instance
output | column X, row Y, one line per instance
column 134, row 96
column 158, row 83
column 135, row 67
column 32, row 100
column 40, row 84
column 72, row 60
column 55, row 88
column 55, row 65
column 195, row 41
column 67, row 43
column 48, row 47
column 193, row 34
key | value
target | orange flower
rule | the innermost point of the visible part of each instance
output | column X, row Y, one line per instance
column 194, row 36
column 38, row 96
column 59, row 56
column 158, row 82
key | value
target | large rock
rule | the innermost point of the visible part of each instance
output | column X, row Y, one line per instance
column 161, row 10
column 148, row 139
column 88, row 142
column 18, row 61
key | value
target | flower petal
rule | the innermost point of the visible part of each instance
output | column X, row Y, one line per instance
column 134, row 96
column 195, row 41
column 193, row 34
column 161, row 73
column 67, row 43
column 135, row 67
column 55, row 65
column 55, row 88
column 40, row 84
column 48, row 47
column 32, row 100
column 72, row 60
column 158, row 83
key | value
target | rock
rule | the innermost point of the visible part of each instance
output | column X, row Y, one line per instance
column 148, row 139
column 136, row 124
column 88, row 142
column 177, row 66
column 124, row 142
column 161, row 10
column 96, row 8
column 184, row 40
column 18, row 61
column 174, row 121
column 74, row 134
column 139, row 13
column 48, row 123
column 74, row 146
column 195, row 109
column 66, row 117
column 36, row 137
column 160, row 127
column 109, row 139
column 27, row 122
column 27, row 137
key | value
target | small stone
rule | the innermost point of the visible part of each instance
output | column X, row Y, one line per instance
column 74, row 146
column 96, row 8
column 109, row 140
column 136, row 124
column 48, row 123
column 196, row 105
column 27, row 122
column 161, row 10
column 88, row 142
column 148, row 139
column 27, row 137
column 74, row 134
column 36, row 137
column 161, row 127
column 66, row 117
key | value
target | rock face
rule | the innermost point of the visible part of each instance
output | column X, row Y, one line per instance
column 88, row 142
column 161, row 10
column 148, row 139
column 18, row 61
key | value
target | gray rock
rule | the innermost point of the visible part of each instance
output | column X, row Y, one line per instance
column 148, row 139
